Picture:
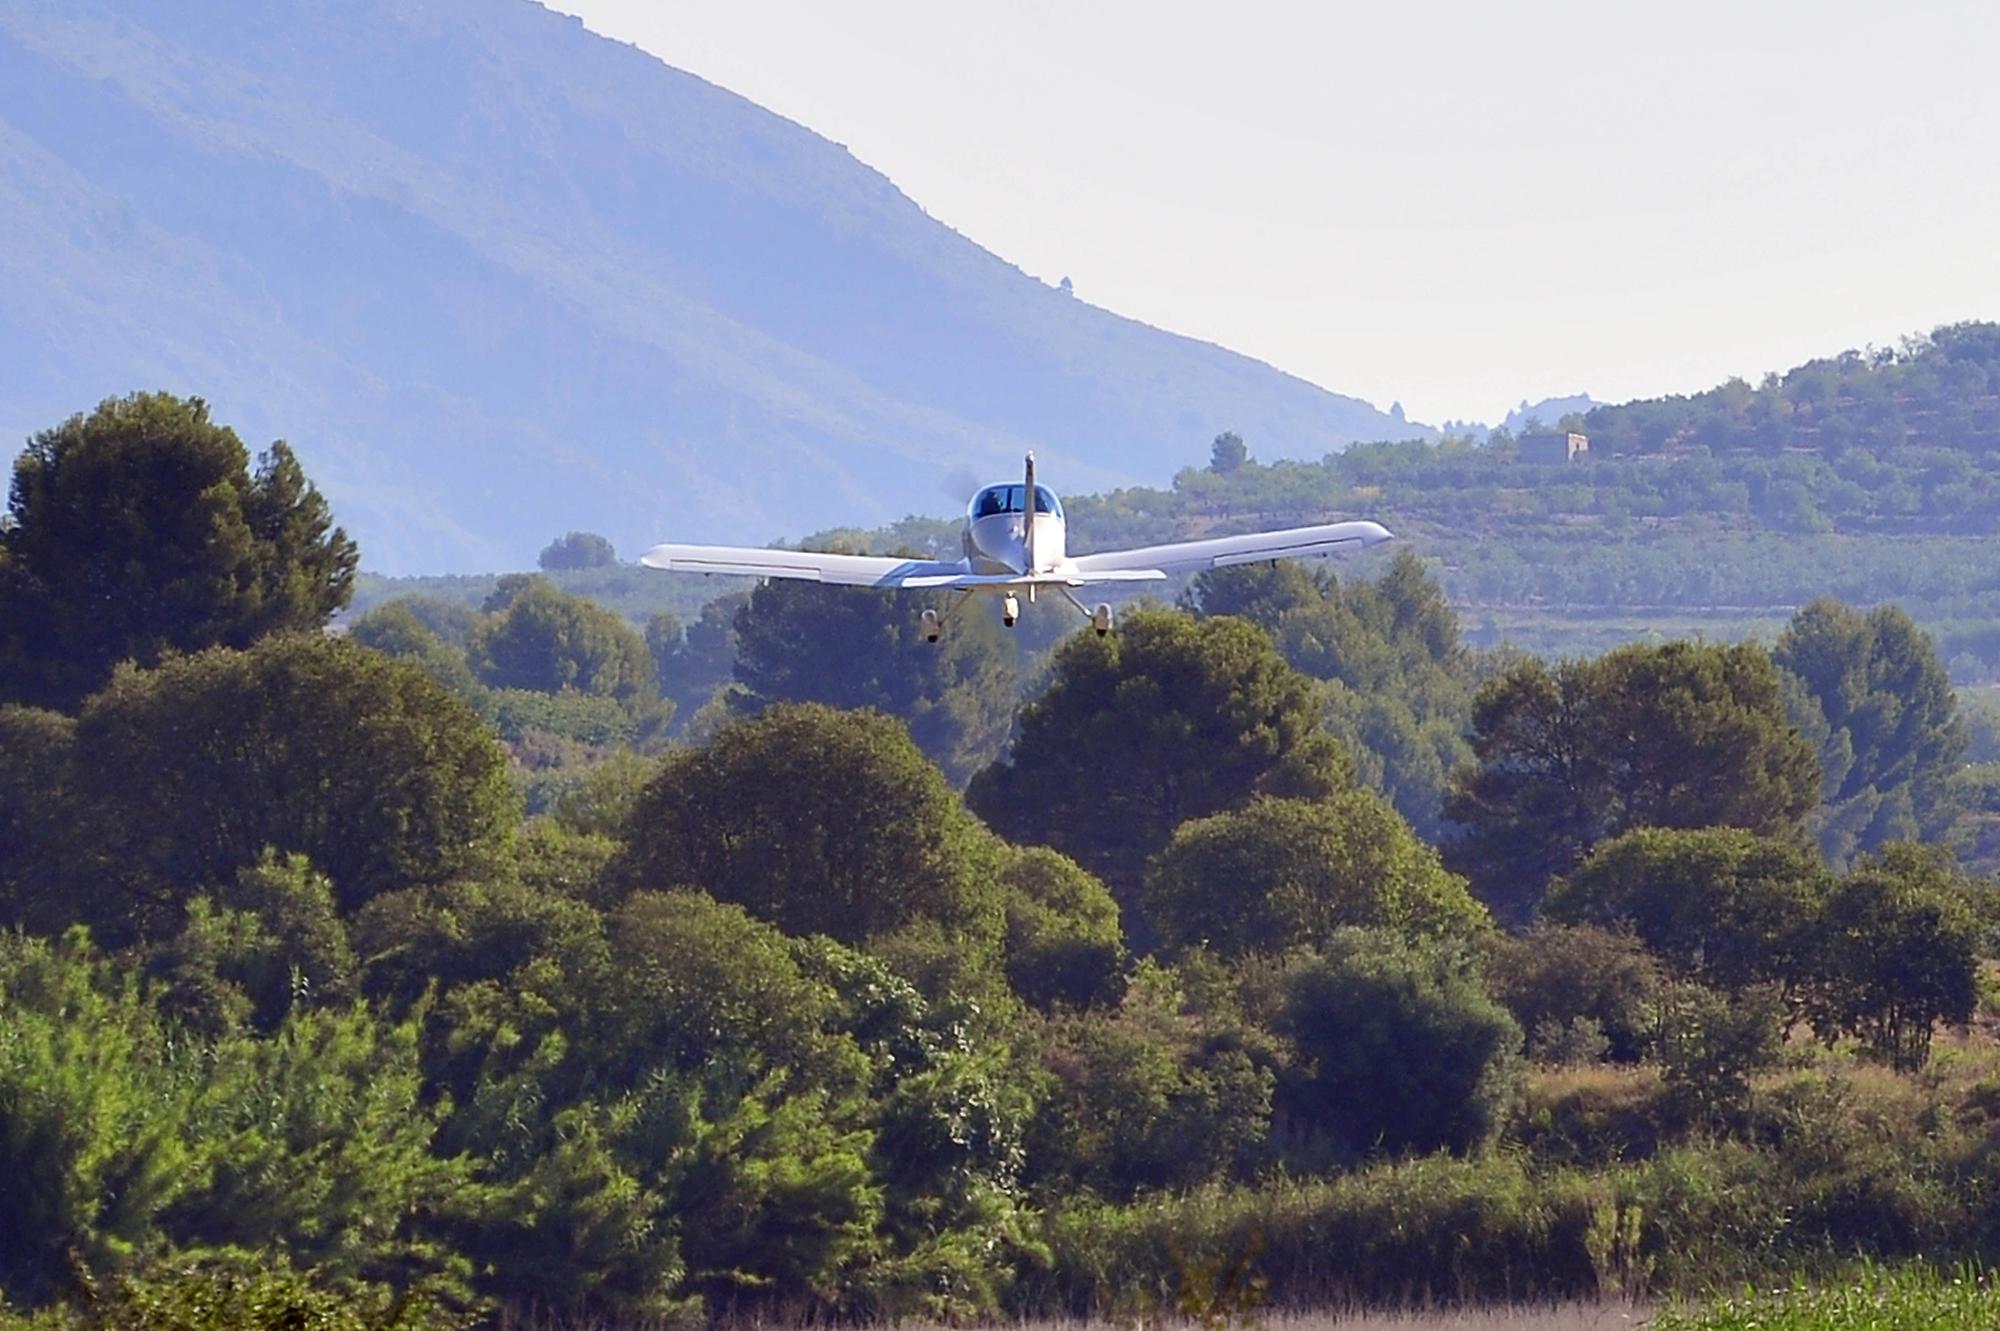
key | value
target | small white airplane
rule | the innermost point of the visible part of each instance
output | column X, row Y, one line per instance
column 1014, row 543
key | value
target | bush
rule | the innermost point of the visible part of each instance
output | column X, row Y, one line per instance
column 1063, row 940
column 1561, row 975
column 1153, row 1094
column 1897, row 952
column 1710, row 1042
column 1724, row 905
column 209, row 1299
column 1284, row 873
column 818, row 821
column 1398, row 1048
column 1597, row 1116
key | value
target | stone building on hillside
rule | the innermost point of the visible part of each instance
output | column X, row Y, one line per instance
column 1554, row 446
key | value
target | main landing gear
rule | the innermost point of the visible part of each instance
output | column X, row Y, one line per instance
column 932, row 623
column 1100, row 618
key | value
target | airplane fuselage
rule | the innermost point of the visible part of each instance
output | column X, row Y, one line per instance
column 999, row 543
column 1015, row 530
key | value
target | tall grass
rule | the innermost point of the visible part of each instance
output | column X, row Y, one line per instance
column 1915, row 1298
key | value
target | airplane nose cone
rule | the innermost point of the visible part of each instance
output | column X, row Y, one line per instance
column 1377, row 534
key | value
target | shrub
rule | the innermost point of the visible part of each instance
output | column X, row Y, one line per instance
column 1561, row 975
column 1398, row 1048
column 1284, row 872
column 1063, row 941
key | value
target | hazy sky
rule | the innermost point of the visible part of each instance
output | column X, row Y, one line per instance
column 1454, row 206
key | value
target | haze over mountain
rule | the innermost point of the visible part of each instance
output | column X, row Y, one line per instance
column 496, row 277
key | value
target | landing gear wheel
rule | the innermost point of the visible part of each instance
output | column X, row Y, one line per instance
column 932, row 626
column 1100, row 619
column 1010, row 609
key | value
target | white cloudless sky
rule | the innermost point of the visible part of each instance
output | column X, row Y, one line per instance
column 1454, row 206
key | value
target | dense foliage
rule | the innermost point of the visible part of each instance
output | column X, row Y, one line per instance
column 1680, row 735
column 306, row 1020
column 140, row 530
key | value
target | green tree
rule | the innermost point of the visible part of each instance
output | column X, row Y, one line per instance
column 396, row 630
column 1064, row 945
column 123, row 1141
column 1154, row 1093
column 1399, row 1049
column 579, row 549
column 303, row 744
column 736, row 1102
column 452, row 621
column 141, row 530
column 1710, row 1042
column 1898, row 952
column 1555, row 977
column 316, row 1144
column 1228, row 453
column 1168, row 719
column 1890, row 712
column 547, row 641
column 1283, row 873
column 854, row 647
column 1722, row 905
column 1399, row 700
column 92, row 1137
column 817, row 821
column 38, row 816
column 702, row 984
column 262, row 945
column 697, row 662
column 1683, row 734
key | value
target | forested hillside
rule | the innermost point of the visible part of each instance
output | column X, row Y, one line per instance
column 1281, row 948
column 495, row 277
column 1867, row 476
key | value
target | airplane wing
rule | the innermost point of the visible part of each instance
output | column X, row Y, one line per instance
column 846, row 570
column 1222, row 551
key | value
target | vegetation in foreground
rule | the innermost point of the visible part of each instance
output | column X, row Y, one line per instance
column 1284, row 944
column 1912, row 1298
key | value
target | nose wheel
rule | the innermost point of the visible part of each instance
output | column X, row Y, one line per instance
column 1010, row 609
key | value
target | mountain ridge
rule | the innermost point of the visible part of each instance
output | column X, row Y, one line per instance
column 497, row 276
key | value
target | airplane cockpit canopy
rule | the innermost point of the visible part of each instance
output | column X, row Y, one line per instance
column 997, row 499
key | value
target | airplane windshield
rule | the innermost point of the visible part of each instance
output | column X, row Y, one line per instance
column 997, row 499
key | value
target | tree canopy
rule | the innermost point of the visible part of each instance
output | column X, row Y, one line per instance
column 578, row 549
column 1168, row 719
column 1684, row 734
column 140, row 530
column 1280, row 872
column 854, row 647
column 1401, row 700
column 1883, row 712
column 189, row 772
column 818, row 821
column 1719, row 903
